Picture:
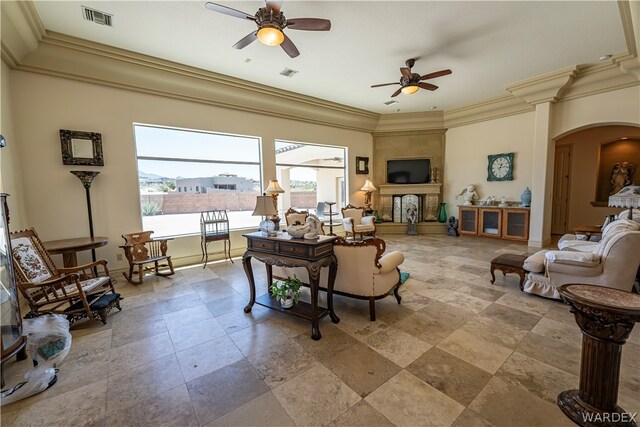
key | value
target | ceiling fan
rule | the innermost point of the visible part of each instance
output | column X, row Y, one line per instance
column 271, row 22
column 411, row 82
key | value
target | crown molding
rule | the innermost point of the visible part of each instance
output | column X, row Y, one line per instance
column 439, row 131
column 545, row 88
column 490, row 109
column 22, row 30
column 72, row 58
column 428, row 120
column 626, row 18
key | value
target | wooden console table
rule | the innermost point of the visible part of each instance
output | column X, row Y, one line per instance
column 606, row 317
column 284, row 251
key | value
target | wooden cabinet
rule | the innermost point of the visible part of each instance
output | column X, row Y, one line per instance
column 468, row 220
column 499, row 223
column 515, row 224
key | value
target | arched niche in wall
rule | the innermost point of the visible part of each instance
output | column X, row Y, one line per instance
column 618, row 166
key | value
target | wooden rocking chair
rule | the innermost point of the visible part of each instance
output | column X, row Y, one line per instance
column 140, row 249
column 78, row 292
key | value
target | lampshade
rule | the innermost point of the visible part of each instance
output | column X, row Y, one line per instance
column 264, row 206
column 408, row 90
column 271, row 36
column 628, row 197
column 368, row 186
column 273, row 187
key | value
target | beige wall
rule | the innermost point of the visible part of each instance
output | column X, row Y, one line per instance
column 54, row 199
column 466, row 151
column 10, row 181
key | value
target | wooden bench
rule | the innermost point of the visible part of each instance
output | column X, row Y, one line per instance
column 509, row 263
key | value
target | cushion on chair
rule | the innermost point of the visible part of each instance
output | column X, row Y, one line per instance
column 583, row 259
column 96, row 303
column 30, row 261
column 535, row 262
column 362, row 228
column 88, row 286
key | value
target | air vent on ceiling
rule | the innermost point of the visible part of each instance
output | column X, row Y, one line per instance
column 391, row 102
column 97, row 16
column 288, row 72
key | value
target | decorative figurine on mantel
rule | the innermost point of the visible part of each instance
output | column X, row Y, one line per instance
column 434, row 175
column 469, row 194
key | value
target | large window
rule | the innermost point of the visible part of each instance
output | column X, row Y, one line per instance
column 311, row 175
column 184, row 172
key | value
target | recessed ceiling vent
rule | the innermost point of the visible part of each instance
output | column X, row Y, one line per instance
column 288, row 72
column 391, row 102
column 97, row 16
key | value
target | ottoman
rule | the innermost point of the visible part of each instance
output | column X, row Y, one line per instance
column 509, row 263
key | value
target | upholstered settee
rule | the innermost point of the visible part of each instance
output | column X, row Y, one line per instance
column 612, row 262
column 364, row 271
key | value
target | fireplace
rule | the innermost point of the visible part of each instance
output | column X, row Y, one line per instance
column 404, row 205
column 395, row 199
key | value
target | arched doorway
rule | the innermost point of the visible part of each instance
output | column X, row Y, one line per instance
column 583, row 161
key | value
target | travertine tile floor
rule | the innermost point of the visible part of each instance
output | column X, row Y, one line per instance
column 458, row 351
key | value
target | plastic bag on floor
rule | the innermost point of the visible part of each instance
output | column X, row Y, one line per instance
column 48, row 339
column 48, row 343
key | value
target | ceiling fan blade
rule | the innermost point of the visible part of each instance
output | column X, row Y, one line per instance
column 386, row 84
column 396, row 93
column 436, row 74
column 309, row 24
column 288, row 46
column 229, row 11
column 246, row 40
column 427, row 86
column 274, row 5
column 406, row 72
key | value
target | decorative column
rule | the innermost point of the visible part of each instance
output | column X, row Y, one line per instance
column 606, row 317
column 86, row 177
column 541, row 92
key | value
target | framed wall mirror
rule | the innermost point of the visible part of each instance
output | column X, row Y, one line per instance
column 362, row 165
column 81, row 148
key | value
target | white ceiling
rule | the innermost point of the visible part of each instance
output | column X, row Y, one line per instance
column 487, row 44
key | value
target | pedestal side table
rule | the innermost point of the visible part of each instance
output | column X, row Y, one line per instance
column 606, row 317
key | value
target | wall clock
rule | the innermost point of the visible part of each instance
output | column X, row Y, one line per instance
column 500, row 167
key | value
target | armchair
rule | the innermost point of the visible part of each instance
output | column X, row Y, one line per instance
column 363, row 273
column 141, row 249
column 77, row 292
column 292, row 216
column 354, row 221
column 612, row 263
column 570, row 242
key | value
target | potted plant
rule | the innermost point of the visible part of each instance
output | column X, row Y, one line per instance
column 287, row 291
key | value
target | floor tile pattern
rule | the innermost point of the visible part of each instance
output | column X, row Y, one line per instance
column 457, row 352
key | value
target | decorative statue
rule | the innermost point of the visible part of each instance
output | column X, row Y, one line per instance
column 314, row 225
column 411, row 222
column 621, row 175
column 452, row 226
column 469, row 194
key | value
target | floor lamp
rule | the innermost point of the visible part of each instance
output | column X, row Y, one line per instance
column 86, row 177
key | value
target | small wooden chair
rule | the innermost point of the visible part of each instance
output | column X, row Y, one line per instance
column 77, row 292
column 141, row 249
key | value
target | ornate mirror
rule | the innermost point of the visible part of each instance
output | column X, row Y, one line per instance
column 81, row 148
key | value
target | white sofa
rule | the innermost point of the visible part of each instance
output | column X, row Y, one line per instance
column 363, row 271
column 574, row 242
column 611, row 262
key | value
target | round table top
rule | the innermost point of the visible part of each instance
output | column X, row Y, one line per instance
column 601, row 297
column 75, row 244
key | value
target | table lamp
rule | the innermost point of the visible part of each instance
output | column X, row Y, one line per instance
column 628, row 197
column 368, row 188
column 273, row 190
column 264, row 208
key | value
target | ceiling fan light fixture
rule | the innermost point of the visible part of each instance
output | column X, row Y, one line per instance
column 408, row 90
column 271, row 36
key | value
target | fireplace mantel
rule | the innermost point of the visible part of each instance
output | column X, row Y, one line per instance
column 402, row 189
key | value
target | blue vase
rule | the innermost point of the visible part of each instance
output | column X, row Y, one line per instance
column 442, row 213
column 525, row 198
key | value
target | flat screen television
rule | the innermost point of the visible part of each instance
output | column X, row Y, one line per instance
column 409, row 171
